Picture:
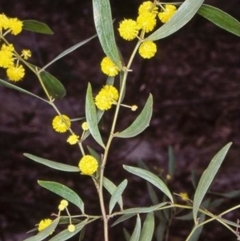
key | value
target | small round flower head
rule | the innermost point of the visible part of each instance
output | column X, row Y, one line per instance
column 106, row 97
column 15, row 73
column 128, row 29
column 26, row 53
column 147, row 49
column 148, row 6
column 168, row 12
column 73, row 139
column 85, row 126
column 134, row 107
column 6, row 56
column 3, row 22
column 15, row 25
column 184, row 196
column 108, row 67
column 44, row 224
column 63, row 204
column 71, row 228
column 146, row 21
column 88, row 165
column 61, row 123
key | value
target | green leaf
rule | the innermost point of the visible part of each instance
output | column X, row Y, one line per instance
column 148, row 228
column 117, row 195
column 45, row 232
column 123, row 218
column 220, row 18
column 104, row 27
column 65, row 234
column 14, row 87
column 207, row 178
column 182, row 16
column 111, row 187
column 53, row 85
column 231, row 194
column 137, row 230
column 140, row 123
column 150, row 177
column 52, row 164
column 69, row 50
column 171, row 161
column 198, row 230
column 64, row 192
column 143, row 209
column 91, row 117
column 126, row 234
column 37, row 27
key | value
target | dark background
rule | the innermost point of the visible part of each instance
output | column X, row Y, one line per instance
column 195, row 83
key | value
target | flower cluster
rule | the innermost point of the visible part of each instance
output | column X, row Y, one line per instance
column 88, row 165
column 145, row 22
column 106, row 97
column 44, row 224
column 9, row 59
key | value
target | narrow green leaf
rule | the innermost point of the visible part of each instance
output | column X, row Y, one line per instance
column 182, row 16
column 63, row 191
column 231, row 194
column 69, row 50
column 91, row 116
column 126, row 234
column 36, row 26
column 148, row 228
column 137, row 230
column 104, row 27
column 207, row 178
column 53, row 85
column 14, row 87
column 150, row 177
column 221, row 19
column 65, row 234
column 117, row 195
column 111, row 187
column 123, row 218
column 44, row 233
column 143, row 209
column 140, row 123
column 171, row 161
column 52, row 164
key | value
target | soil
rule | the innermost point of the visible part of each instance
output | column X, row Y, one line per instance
column 194, row 80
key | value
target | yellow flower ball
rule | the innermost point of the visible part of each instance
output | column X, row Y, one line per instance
column 108, row 67
column 106, row 97
column 3, row 22
column 26, row 53
column 88, row 165
column 61, row 123
column 15, row 25
column 168, row 12
column 44, row 224
column 71, row 228
column 6, row 56
column 184, row 196
column 73, row 139
column 85, row 126
column 15, row 73
column 128, row 29
column 63, row 204
column 146, row 21
column 147, row 49
column 148, row 6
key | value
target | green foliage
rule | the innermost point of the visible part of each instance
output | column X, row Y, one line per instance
column 37, row 27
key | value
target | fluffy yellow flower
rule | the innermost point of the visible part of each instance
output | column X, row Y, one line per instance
column 61, row 123
column 71, row 228
column 148, row 6
column 6, row 56
column 88, row 165
column 128, row 29
column 15, row 26
column 26, row 53
column 147, row 49
column 85, row 126
column 44, row 224
column 63, row 204
column 3, row 22
column 146, row 21
column 168, row 12
column 15, row 73
column 108, row 67
column 184, row 196
column 106, row 97
column 73, row 139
